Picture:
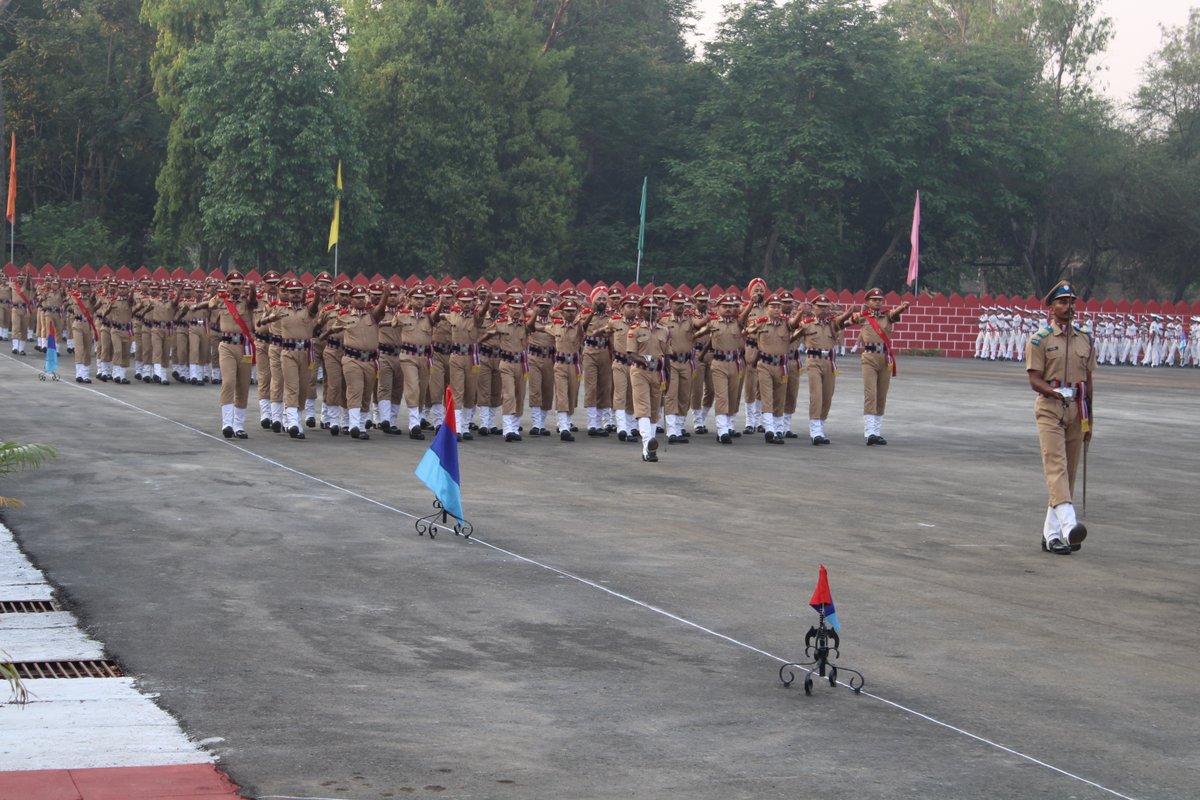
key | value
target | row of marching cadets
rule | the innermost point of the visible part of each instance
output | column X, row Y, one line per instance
column 647, row 362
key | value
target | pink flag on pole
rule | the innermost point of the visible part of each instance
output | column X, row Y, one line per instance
column 913, row 239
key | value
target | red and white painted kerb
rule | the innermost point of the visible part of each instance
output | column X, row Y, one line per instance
column 85, row 738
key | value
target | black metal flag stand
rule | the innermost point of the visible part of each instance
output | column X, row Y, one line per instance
column 430, row 522
column 818, row 643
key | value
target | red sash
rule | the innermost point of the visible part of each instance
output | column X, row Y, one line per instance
column 83, row 308
column 247, row 339
column 887, row 343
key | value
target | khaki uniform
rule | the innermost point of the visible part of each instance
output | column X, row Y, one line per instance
column 81, row 331
column 23, row 310
column 647, row 347
column 416, row 352
column 5, row 310
column 509, row 337
column 158, row 321
column 820, row 343
column 118, row 318
column 568, row 365
column 597, row 374
column 541, row 372
column 702, row 384
column 681, row 360
column 360, row 345
column 236, row 356
column 439, row 370
column 295, row 330
column 390, row 388
column 754, row 419
column 464, row 365
column 1064, row 361
column 774, row 343
column 622, row 397
column 333, row 411
column 266, row 365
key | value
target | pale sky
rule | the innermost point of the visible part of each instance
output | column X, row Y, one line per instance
column 1136, row 36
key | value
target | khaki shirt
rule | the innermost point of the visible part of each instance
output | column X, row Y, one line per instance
column 568, row 336
column 774, row 338
column 416, row 329
column 225, row 322
column 818, row 335
column 868, row 335
column 682, row 328
column 1058, row 357
column 360, row 330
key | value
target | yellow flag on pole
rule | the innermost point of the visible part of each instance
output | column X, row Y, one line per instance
column 337, row 207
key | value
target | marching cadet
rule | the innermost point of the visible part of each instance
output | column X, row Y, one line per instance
column 681, row 326
column 795, row 356
column 819, row 334
column 322, row 287
column 358, row 327
column 195, row 323
column 294, row 323
column 646, row 348
column 158, row 318
column 235, row 309
column 598, row 365
column 541, row 366
column 878, row 360
column 487, row 385
column 334, row 406
column 5, row 310
column 1060, row 360
column 727, row 342
column 270, row 401
column 117, row 314
column 508, row 334
column 390, row 388
column 702, row 386
column 466, row 322
column 82, row 307
column 23, row 307
column 567, row 330
column 51, row 301
column 617, row 331
column 757, row 289
column 774, row 336
column 416, row 324
column 439, row 361
column 179, row 333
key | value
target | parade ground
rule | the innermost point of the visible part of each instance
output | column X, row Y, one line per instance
column 615, row 629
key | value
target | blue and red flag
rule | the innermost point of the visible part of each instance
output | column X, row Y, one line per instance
column 822, row 600
column 439, row 467
column 51, row 351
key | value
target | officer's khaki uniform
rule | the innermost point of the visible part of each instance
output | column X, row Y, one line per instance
column 416, row 349
column 750, row 376
column 333, row 410
column 681, row 358
column 509, row 337
column 360, row 345
column 81, row 309
column 541, row 371
column 568, row 364
column 464, row 363
column 622, row 397
column 390, row 389
column 439, row 369
column 235, row 359
column 647, row 347
column 1063, row 361
column 774, row 342
column 295, row 331
column 820, row 341
column 702, row 385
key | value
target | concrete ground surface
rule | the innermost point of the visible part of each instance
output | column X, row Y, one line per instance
column 615, row 629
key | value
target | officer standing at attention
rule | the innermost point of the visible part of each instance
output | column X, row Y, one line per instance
column 878, row 360
column 1060, row 360
column 358, row 327
column 235, row 310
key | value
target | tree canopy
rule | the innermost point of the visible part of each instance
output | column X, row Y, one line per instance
column 512, row 137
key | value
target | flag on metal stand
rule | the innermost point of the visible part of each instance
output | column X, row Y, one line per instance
column 439, row 467
column 51, row 352
column 822, row 600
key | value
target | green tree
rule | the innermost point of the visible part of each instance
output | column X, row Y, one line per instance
column 471, row 151
column 79, row 99
column 264, row 105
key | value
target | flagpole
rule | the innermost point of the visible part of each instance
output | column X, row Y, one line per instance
column 637, row 279
column 335, row 254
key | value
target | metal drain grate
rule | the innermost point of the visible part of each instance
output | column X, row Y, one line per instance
column 68, row 669
column 26, row 606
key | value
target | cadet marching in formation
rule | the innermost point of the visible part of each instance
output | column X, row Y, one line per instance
column 647, row 363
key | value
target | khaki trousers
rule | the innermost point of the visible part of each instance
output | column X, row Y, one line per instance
column 678, row 397
column 541, row 382
column 235, row 375
column 512, row 387
column 464, row 379
column 1060, row 433
column 622, row 397
column 647, row 392
column 566, row 388
column 771, row 388
column 293, row 375
column 821, row 380
column 877, row 376
column 360, row 382
column 597, row 377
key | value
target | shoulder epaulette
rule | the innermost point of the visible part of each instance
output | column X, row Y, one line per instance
column 330, row 307
column 1036, row 339
column 343, row 312
column 761, row 320
column 557, row 320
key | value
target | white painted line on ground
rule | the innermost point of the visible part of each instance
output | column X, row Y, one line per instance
column 612, row 593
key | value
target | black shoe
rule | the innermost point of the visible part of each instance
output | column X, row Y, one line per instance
column 227, row 432
column 472, row 427
column 821, row 440
column 363, row 436
column 610, row 428
column 87, row 380
column 265, row 423
column 872, row 439
column 593, row 431
column 684, row 440
column 79, row 380
column 425, row 425
column 483, row 431
column 1056, row 546
column 880, row 440
column 1076, row 536
column 602, row 432
column 293, row 431
column 149, row 379
column 415, row 432
column 544, row 432
column 165, row 382
column 124, row 381
column 300, row 435
column 735, row 434
column 749, row 429
column 770, row 437
column 778, row 439
column 494, row 431
column 355, row 433
column 334, row 430
column 790, row 435
column 622, row 436
column 175, row 374
column 535, row 431
column 659, row 429
column 467, row 437
column 310, row 422
column 216, row 381
column 370, row 424
column 277, row 426
column 633, row 436
column 673, row 439
column 512, row 437
column 574, row 429
column 700, row 430
column 154, row 379
column 240, row 435
column 103, row 378
column 651, row 456
column 385, row 426
column 725, row 438
column 458, row 437
column 760, row 429
column 565, row 436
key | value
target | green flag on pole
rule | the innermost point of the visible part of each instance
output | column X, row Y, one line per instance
column 642, row 231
